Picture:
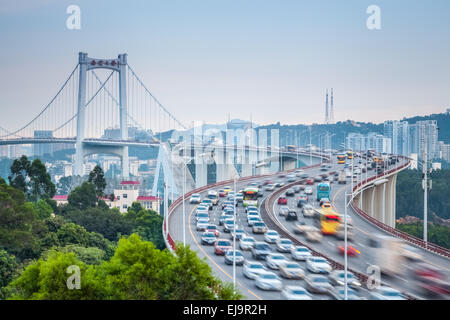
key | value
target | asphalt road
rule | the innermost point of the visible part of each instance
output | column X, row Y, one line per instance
column 327, row 246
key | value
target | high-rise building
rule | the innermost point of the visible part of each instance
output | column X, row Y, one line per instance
column 398, row 132
column 40, row 149
column 424, row 134
column 371, row 141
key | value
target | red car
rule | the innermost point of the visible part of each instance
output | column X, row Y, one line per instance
column 266, row 182
column 309, row 181
column 432, row 280
column 222, row 193
column 213, row 229
column 282, row 200
column 351, row 251
column 222, row 246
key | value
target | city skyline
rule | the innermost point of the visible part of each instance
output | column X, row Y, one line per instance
column 201, row 66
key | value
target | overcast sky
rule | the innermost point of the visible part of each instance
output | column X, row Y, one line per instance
column 205, row 59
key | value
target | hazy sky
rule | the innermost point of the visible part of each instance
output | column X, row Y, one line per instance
column 205, row 59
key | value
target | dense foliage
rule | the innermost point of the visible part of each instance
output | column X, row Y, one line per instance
column 437, row 234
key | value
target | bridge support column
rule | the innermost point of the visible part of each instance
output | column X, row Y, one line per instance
column 123, row 113
column 390, row 201
column 378, row 203
column 79, row 152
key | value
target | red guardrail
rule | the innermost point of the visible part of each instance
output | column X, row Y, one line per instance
column 400, row 234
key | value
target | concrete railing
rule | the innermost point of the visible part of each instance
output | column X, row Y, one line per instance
column 397, row 233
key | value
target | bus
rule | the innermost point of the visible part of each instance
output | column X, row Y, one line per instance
column 291, row 148
column 350, row 154
column 250, row 196
column 323, row 191
column 341, row 158
column 329, row 221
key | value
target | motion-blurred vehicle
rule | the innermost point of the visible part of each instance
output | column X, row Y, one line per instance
column 283, row 211
column 227, row 203
column 308, row 190
column 213, row 228
column 290, row 178
column 252, row 220
column 213, row 196
column 309, row 181
column 259, row 227
column 208, row 202
column 301, row 227
column 296, row 188
column 317, row 178
column 318, row 284
column 300, row 253
column 238, row 233
column 302, row 200
column 227, row 189
column 291, row 270
column 252, row 269
column 260, row 250
column 318, row 265
column 251, row 208
column 431, row 280
column 202, row 224
column 202, row 215
column 298, row 173
column 340, row 233
column 222, row 246
column 268, row 281
column 386, row 253
column 274, row 260
column 247, row 243
column 386, row 293
column 351, row 250
column 291, row 216
column 322, row 201
column 228, row 225
column 270, row 187
column 412, row 253
column 327, row 205
column 234, row 255
column 284, row 245
column 239, row 198
column 338, row 293
column 271, row 236
column 313, row 235
column 195, row 198
column 308, row 211
column 337, row 277
column 342, row 178
column 222, row 193
column 295, row 293
column 290, row 192
column 282, row 200
column 208, row 238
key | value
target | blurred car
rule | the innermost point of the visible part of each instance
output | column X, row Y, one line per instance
column 227, row 189
column 213, row 229
column 274, row 260
column 301, row 227
column 290, row 178
column 228, row 225
column 284, row 245
column 208, row 202
column 313, row 234
column 291, row 270
column 251, row 208
column 412, row 253
column 237, row 256
column 222, row 246
column 252, row 214
column 338, row 293
column 302, row 200
column 431, row 280
column 317, row 178
column 268, row 281
column 318, row 284
column 291, row 216
column 224, row 217
column 202, row 224
column 271, row 236
column 252, row 220
column 270, row 187
column 239, row 198
column 227, row 203
column 222, row 193
column 259, row 227
column 239, row 233
column 308, row 211
column 208, row 238
column 296, row 189
column 282, row 200
column 267, row 182
column 295, row 293
column 351, row 250
column 318, row 265
column 195, row 198
column 202, row 215
column 289, row 192
column 309, row 181
column 247, row 243
column 279, row 184
column 308, row 190
column 260, row 250
column 298, row 173
column 337, row 277
column 300, row 253
column 386, row 293
column 283, row 211
column 252, row 269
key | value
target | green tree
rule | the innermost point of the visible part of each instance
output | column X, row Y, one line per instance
column 8, row 269
column 146, row 223
column 19, row 174
column 83, row 197
column 97, row 178
column 44, row 210
column 41, row 184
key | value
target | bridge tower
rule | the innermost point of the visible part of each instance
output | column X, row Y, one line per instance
column 81, row 150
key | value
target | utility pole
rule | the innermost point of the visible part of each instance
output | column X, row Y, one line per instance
column 425, row 196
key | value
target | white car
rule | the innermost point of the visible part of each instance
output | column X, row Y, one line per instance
column 271, row 236
column 337, row 277
column 269, row 281
column 202, row 215
column 252, row 220
column 300, row 253
column 284, row 245
column 252, row 269
column 386, row 293
column 308, row 211
column 274, row 260
column 195, row 198
column 202, row 224
column 291, row 270
column 295, row 293
column 308, row 190
column 270, row 187
column 246, row 243
column 318, row 265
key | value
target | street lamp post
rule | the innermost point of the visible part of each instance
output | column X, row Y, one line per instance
column 234, row 234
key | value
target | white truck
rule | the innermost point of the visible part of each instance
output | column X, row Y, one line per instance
column 387, row 254
column 342, row 178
